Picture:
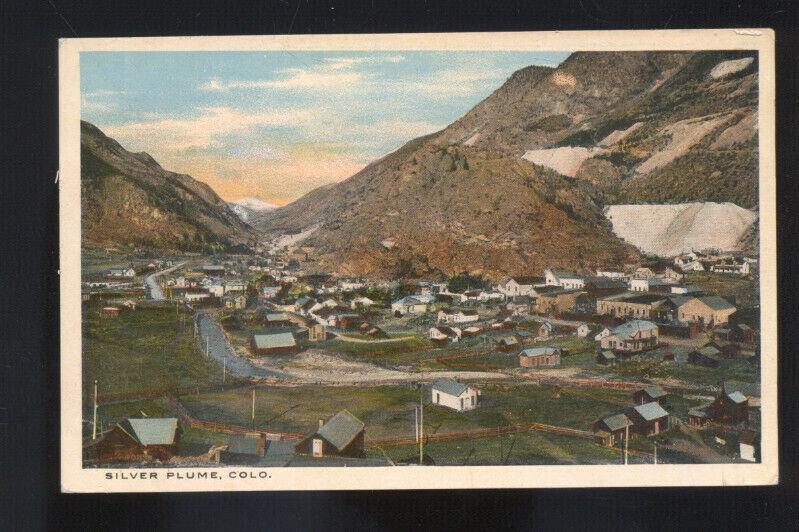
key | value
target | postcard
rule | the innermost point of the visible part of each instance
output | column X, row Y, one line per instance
column 418, row 261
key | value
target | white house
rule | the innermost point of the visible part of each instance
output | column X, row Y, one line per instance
column 610, row 274
column 415, row 304
column 564, row 279
column 455, row 395
column 735, row 268
column 485, row 297
column 361, row 302
column 121, row 272
column 693, row 266
column 518, row 286
column 216, row 289
column 687, row 258
column 235, row 286
column 193, row 297
column 583, row 330
column 446, row 316
column 631, row 337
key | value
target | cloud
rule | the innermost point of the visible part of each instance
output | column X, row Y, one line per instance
column 97, row 101
column 332, row 73
column 207, row 130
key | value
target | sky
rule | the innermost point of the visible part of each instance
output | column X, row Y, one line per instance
column 275, row 125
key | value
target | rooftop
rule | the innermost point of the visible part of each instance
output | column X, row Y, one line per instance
column 450, row 386
column 341, row 429
column 151, row 430
column 650, row 411
column 617, row 422
column 539, row 351
column 273, row 341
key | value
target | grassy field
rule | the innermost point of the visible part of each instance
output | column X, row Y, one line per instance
column 401, row 352
column 524, row 448
column 142, row 349
column 743, row 290
column 388, row 411
column 654, row 368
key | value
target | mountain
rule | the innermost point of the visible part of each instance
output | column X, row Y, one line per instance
column 129, row 198
column 248, row 209
column 520, row 182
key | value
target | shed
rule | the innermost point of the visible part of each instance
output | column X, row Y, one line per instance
column 341, row 435
column 650, row 419
column 649, row 394
column 606, row 358
column 281, row 343
column 137, row 439
column 540, row 357
column 615, row 425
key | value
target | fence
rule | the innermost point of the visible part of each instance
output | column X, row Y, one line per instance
column 187, row 419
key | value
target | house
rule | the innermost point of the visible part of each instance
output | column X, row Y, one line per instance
column 615, row 426
column 729, row 408
column 697, row 417
column 212, row 269
column 487, row 297
column 653, row 284
column 195, row 295
column 137, row 439
column 732, row 267
column 743, row 333
column 565, row 279
column 693, row 266
column 216, row 289
column 507, row 343
column 518, row 286
column 341, row 435
column 277, row 319
column 110, row 312
column 281, row 343
column 649, row 394
column 455, row 395
column 268, row 292
column 604, row 286
column 706, row 310
column 316, row 332
column 546, row 330
column 583, row 330
column 235, row 286
column 535, row 357
column 416, row 304
column 445, row 315
column 684, row 290
column 606, row 358
column 631, row 337
column 611, row 274
column 631, row 305
column 708, row 356
column 120, row 273
column 649, row 419
column 555, row 300
column 243, row 449
column 361, row 301
column 749, row 445
column 682, row 260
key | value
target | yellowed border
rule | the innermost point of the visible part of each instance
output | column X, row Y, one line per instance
column 76, row 479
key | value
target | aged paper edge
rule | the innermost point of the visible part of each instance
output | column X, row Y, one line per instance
column 74, row 478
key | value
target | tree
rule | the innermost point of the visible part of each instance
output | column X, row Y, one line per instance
column 463, row 281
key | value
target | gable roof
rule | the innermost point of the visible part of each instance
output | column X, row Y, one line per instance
column 341, row 429
column 617, row 421
column 607, row 355
column 539, row 351
column 566, row 274
column 716, row 302
column 655, row 391
column 271, row 341
column 737, row 397
column 650, row 411
column 449, row 386
column 627, row 330
column 151, row 430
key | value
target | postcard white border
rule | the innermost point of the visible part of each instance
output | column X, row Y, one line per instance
column 74, row 478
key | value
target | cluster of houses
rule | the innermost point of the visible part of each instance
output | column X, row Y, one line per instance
column 719, row 263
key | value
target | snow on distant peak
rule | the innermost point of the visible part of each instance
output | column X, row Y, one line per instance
column 254, row 204
column 245, row 207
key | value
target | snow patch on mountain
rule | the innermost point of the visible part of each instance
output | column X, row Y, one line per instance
column 669, row 230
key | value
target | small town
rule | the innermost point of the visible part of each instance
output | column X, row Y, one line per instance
column 260, row 359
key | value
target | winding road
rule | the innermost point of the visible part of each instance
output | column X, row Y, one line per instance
column 153, row 288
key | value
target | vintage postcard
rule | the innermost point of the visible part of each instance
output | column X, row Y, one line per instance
column 418, row 261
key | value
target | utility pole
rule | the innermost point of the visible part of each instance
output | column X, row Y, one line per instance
column 94, row 417
column 416, row 421
column 253, row 407
column 421, row 425
column 206, row 347
column 626, row 442
column 656, row 453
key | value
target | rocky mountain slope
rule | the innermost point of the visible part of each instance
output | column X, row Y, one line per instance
column 129, row 198
column 520, row 182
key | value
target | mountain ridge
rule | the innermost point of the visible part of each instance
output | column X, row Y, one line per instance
column 624, row 108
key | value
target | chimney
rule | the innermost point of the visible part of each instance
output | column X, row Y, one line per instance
column 321, row 422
